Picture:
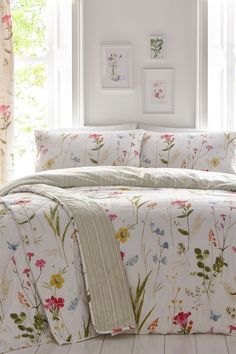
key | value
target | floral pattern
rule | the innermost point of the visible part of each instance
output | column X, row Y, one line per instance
column 61, row 150
column 199, row 151
column 6, row 95
column 177, row 246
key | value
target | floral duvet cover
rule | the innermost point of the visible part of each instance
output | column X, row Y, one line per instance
column 177, row 245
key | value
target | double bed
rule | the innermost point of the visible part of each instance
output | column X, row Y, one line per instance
column 117, row 249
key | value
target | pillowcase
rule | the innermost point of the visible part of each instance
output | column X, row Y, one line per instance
column 157, row 128
column 57, row 150
column 98, row 128
column 198, row 151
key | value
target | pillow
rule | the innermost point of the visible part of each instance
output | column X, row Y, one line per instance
column 98, row 128
column 57, row 150
column 157, row 128
column 198, row 151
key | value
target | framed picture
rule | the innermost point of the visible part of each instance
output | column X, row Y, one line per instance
column 158, row 87
column 116, row 66
column 157, row 47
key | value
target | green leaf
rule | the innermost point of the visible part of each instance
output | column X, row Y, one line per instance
column 145, row 319
column 198, row 251
column 183, row 232
column 190, row 212
column 181, row 216
column 21, row 327
column 29, row 329
column 25, row 335
column 200, row 265
column 164, row 161
column 200, row 274
column 23, row 316
column 13, row 316
column 206, row 253
column 68, row 339
column 207, row 269
column 94, row 161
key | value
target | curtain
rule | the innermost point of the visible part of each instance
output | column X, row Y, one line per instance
column 6, row 92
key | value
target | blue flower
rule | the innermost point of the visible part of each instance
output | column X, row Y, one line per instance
column 155, row 258
column 73, row 304
column 132, row 261
column 13, row 246
column 164, row 260
column 156, row 230
column 165, row 245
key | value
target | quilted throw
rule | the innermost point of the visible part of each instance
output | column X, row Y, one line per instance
column 62, row 274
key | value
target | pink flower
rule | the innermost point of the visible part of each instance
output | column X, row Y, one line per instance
column 112, row 216
column 180, row 203
column 234, row 249
column 232, row 328
column 7, row 20
column 30, row 255
column 22, row 202
column 223, row 216
column 5, row 110
column 168, row 137
column 136, row 153
column 125, row 152
column 13, row 260
column 195, row 150
column 54, row 303
column 26, row 271
column 132, row 144
column 122, row 254
column 182, row 319
column 40, row 263
column 209, row 147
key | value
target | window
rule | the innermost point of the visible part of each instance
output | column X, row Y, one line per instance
column 43, row 72
column 221, row 64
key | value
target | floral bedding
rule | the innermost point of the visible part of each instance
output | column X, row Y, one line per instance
column 207, row 151
column 177, row 246
column 80, row 148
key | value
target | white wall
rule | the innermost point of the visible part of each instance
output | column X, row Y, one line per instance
column 133, row 21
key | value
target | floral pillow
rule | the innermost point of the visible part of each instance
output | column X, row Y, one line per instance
column 57, row 150
column 197, row 151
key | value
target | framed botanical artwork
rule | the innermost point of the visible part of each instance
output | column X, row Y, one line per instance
column 158, row 88
column 116, row 66
column 157, row 47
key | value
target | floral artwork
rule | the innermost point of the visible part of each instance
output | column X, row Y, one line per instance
column 157, row 47
column 159, row 92
column 116, row 67
column 195, row 151
column 6, row 95
column 158, row 85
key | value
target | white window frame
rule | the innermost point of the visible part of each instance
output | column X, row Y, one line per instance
column 227, row 120
column 202, row 63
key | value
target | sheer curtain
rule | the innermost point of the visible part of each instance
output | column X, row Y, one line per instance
column 221, row 65
column 6, row 92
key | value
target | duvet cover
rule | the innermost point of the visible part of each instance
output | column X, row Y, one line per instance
column 171, row 269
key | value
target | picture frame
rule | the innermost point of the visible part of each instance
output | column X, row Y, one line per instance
column 158, row 90
column 157, row 47
column 116, row 68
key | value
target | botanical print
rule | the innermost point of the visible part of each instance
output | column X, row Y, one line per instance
column 157, row 47
column 177, row 247
column 196, row 151
column 158, row 88
column 158, row 91
column 116, row 66
column 6, row 96
column 61, row 150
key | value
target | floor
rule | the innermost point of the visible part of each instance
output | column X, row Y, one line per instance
column 150, row 344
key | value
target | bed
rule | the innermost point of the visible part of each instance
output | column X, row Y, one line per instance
column 112, row 249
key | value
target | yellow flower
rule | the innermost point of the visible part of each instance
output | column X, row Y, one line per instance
column 215, row 161
column 49, row 163
column 57, row 280
column 123, row 234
